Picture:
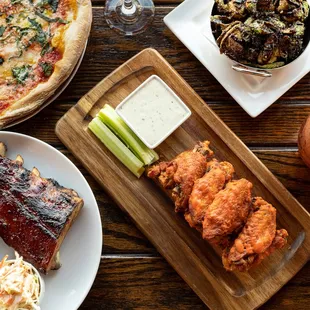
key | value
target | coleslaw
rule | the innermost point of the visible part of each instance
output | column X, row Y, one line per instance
column 19, row 285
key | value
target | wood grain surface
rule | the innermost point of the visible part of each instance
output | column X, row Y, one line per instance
column 132, row 274
column 196, row 261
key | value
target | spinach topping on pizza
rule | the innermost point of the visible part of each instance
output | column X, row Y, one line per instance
column 40, row 42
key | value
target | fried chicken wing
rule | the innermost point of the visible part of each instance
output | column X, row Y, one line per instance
column 228, row 212
column 258, row 239
column 205, row 189
column 181, row 173
column 278, row 242
column 221, row 209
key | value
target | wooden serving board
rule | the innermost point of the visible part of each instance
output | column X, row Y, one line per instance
column 193, row 258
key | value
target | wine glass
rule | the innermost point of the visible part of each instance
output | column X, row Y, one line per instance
column 129, row 17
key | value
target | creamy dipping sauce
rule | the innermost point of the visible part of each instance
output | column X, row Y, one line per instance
column 153, row 111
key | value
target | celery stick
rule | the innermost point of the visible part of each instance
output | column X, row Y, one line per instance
column 156, row 156
column 121, row 129
column 116, row 146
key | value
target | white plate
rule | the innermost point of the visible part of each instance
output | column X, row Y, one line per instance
column 190, row 22
column 66, row 288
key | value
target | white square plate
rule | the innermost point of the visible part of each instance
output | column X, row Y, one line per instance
column 190, row 22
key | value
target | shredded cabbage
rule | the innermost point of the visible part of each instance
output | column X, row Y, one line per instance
column 19, row 285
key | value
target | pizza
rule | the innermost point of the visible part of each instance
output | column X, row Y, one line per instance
column 41, row 41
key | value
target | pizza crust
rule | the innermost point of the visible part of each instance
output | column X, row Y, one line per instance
column 75, row 40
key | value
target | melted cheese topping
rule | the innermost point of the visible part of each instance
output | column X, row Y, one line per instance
column 58, row 39
column 73, row 6
column 29, row 32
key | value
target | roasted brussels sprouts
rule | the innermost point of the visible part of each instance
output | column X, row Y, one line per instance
column 260, row 33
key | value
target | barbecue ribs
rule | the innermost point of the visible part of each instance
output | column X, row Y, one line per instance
column 35, row 213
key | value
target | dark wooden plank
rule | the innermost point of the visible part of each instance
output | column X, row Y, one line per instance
column 291, row 171
column 140, row 283
column 279, row 125
column 150, row 283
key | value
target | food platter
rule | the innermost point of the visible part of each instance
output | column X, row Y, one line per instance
column 190, row 22
column 81, row 250
column 57, row 93
column 194, row 259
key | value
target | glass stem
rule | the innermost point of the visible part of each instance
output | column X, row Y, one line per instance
column 128, row 7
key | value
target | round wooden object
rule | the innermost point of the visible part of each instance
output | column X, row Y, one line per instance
column 304, row 141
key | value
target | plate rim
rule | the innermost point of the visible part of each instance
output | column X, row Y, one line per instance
column 82, row 297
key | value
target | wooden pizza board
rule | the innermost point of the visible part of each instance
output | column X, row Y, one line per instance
column 193, row 258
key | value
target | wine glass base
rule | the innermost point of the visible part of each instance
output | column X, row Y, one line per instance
column 129, row 22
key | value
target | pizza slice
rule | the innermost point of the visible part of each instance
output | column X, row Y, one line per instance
column 41, row 41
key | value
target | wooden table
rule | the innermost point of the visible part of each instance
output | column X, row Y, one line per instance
column 132, row 274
